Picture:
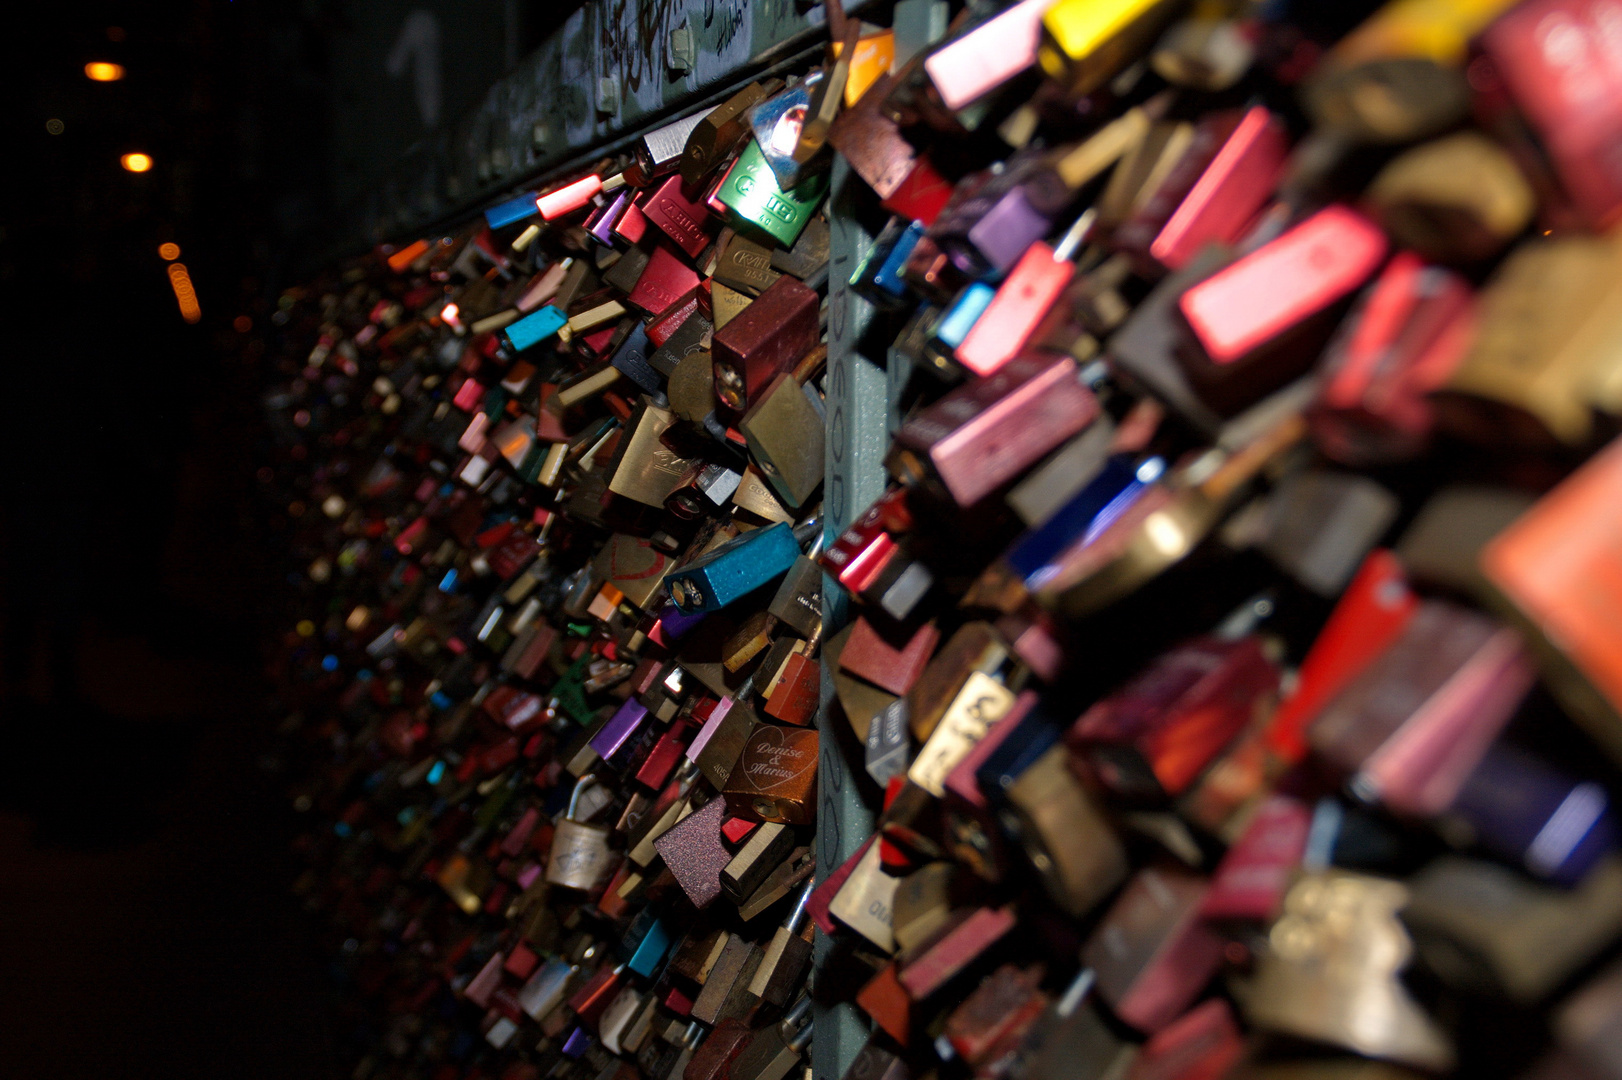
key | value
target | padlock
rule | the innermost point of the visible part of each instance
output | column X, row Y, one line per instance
column 878, row 277
column 660, row 150
column 1021, row 302
column 807, row 257
column 581, row 857
column 687, row 222
column 923, row 903
column 978, row 706
column 786, row 956
column 713, row 1058
column 972, row 933
column 998, row 1014
column 984, row 433
column 1085, row 43
column 695, row 853
column 860, row 897
column 796, row 690
column 798, row 600
column 1152, row 952
column 718, row 133
column 776, row 123
column 704, row 489
column 753, row 638
column 745, row 266
column 975, row 647
column 720, row 576
column 777, row 1049
column 1184, row 709
column 644, row 469
column 829, row 92
column 1407, row 336
column 886, row 658
column 1234, row 359
column 789, row 874
column 1405, row 729
column 684, row 330
column 1338, row 968
column 1484, row 927
column 725, row 993
column 1219, row 179
column 692, row 387
column 760, row 854
column 995, row 215
column 755, row 201
column 784, row 430
column 772, row 335
column 1071, row 843
column 1562, row 132
column 775, row 778
column 626, row 272
column 1459, row 199
column 728, row 305
column 664, row 282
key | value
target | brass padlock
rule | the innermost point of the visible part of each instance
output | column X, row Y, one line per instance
column 581, row 857
column 784, row 428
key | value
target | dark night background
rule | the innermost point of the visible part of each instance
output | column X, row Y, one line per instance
column 146, row 924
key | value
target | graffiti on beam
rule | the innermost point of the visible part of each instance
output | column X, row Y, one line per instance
column 546, row 109
column 631, row 41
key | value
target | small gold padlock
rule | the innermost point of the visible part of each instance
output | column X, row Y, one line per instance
column 581, row 857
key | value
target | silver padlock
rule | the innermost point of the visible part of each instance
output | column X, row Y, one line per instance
column 581, row 857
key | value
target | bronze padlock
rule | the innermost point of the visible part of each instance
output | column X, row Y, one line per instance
column 581, row 857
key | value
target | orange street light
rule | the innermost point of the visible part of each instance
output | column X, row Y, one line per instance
column 102, row 71
column 136, row 162
column 170, row 251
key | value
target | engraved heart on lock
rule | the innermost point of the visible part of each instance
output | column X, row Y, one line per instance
column 580, row 857
column 633, row 566
column 776, row 775
column 775, row 758
column 634, row 559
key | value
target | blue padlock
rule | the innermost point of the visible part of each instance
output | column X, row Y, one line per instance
column 964, row 313
column 649, row 940
column 889, row 276
column 739, row 566
column 1120, row 483
column 632, row 362
column 515, row 209
column 535, row 327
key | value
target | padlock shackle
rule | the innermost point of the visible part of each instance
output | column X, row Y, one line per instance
column 1071, row 999
column 798, row 1014
column 580, row 785
column 809, row 530
column 793, row 923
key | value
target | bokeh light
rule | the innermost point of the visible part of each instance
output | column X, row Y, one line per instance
column 185, row 294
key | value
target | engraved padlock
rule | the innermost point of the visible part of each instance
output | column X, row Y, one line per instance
column 581, row 857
